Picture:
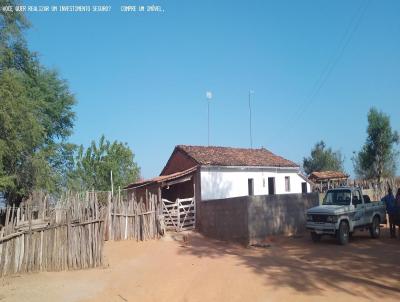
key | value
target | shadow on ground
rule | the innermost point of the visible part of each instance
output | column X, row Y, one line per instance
column 364, row 268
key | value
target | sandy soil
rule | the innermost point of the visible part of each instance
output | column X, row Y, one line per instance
column 291, row 269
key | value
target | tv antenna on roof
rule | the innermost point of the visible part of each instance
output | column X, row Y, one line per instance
column 208, row 97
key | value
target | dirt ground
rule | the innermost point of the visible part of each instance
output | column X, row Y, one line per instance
column 290, row 269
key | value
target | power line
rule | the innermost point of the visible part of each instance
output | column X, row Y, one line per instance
column 345, row 42
column 329, row 67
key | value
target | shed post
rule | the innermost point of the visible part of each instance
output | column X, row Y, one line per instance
column 159, row 204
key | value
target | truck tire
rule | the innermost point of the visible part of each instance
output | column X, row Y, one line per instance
column 375, row 228
column 315, row 237
column 343, row 233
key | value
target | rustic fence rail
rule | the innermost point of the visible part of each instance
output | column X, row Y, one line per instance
column 131, row 219
column 47, row 235
column 378, row 190
column 41, row 236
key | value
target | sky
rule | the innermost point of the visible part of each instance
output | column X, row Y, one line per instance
column 316, row 68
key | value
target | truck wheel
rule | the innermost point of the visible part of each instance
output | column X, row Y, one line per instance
column 375, row 228
column 315, row 237
column 343, row 233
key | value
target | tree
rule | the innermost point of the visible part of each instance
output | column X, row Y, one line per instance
column 14, row 53
column 36, row 116
column 35, row 122
column 377, row 158
column 323, row 159
column 93, row 166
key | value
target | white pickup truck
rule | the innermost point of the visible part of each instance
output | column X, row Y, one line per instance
column 343, row 211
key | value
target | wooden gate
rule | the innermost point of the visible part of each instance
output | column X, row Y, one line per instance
column 179, row 215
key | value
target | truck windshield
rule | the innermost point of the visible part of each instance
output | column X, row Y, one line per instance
column 337, row 197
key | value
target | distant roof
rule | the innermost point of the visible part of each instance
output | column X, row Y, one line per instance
column 228, row 156
column 161, row 179
column 325, row 175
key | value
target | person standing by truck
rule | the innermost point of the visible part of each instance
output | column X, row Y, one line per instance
column 391, row 211
column 397, row 209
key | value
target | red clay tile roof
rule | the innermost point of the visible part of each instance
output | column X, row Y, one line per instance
column 227, row 156
column 327, row 175
column 161, row 178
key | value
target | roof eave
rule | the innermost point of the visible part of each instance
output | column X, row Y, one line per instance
column 252, row 167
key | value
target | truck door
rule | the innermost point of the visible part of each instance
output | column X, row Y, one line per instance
column 357, row 201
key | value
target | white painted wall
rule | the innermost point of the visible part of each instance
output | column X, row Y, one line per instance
column 225, row 182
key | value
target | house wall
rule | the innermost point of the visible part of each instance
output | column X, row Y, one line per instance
column 178, row 162
column 226, row 182
column 197, row 194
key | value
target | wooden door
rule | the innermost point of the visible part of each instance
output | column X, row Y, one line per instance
column 271, row 185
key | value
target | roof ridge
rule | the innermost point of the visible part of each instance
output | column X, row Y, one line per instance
column 234, row 156
column 224, row 147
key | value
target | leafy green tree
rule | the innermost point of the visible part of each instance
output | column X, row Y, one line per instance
column 12, row 23
column 94, row 165
column 14, row 53
column 377, row 158
column 20, row 134
column 35, row 121
column 323, row 159
column 36, row 116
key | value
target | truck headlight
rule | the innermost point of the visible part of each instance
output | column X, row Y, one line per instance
column 309, row 217
column 332, row 219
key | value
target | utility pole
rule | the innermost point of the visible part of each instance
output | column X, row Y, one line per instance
column 251, row 92
column 208, row 97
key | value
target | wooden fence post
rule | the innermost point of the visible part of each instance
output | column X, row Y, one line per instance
column 178, row 211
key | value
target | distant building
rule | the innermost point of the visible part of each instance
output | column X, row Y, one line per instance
column 196, row 173
column 326, row 180
column 223, row 172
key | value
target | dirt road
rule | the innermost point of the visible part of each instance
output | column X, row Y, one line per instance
column 291, row 269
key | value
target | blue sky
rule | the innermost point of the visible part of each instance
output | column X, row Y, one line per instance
column 142, row 78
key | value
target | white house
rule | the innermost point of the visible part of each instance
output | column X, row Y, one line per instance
column 222, row 172
column 231, row 181
column 194, row 174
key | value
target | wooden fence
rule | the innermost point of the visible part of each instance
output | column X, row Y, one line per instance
column 377, row 190
column 47, row 235
column 41, row 235
column 129, row 219
column 179, row 215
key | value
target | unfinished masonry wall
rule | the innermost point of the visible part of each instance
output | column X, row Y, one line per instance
column 224, row 219
column 248, row 219
column 278, row 214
